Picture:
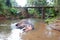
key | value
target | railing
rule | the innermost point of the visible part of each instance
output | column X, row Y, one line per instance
column 43, row 8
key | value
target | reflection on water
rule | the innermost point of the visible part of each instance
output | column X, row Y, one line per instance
column 9, row 32
column 4, row 32
column 41, row 32
column 15, row 34
column 5, row 29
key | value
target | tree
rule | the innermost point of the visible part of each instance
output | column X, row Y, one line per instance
column 36, row 3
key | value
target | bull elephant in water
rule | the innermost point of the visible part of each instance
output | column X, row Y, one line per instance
column 19, row 28
column 25, row 24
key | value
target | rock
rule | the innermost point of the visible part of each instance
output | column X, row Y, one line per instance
column 55, row 25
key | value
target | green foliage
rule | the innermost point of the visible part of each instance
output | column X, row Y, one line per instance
column 33, row 11
column 50, row 20
column 6, row 10
column 50, row 12
column 3, row 7
column 37, row 2
column 21, row 17
column 13, row 11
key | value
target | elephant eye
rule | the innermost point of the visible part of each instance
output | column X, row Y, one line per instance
column 16, row 24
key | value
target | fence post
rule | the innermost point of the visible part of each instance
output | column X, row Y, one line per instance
column 43, row 13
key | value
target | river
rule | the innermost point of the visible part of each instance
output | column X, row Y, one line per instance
column 41, row 31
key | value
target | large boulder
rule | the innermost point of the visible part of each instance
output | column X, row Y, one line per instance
column 55, row 25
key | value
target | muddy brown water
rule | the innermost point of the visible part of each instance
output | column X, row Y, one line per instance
column 41, row 32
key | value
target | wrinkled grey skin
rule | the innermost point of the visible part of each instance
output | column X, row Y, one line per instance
column 25, row 24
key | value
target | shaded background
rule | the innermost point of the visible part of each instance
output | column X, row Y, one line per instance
column 42, row 9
